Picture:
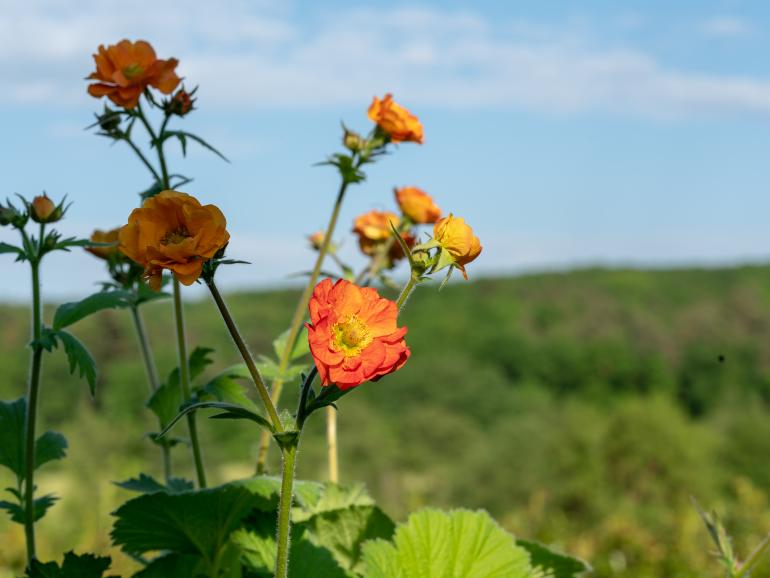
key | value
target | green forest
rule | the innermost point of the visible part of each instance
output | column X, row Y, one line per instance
column 584, row 409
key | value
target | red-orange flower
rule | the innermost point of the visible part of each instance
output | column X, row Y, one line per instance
column 400, row 124
column 172, row 230
column 125, row 69
column 417, row 205
column 353, row 334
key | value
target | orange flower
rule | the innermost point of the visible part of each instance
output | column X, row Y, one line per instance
column 173, row 231
column 106, row 253
column 400, row 124
column 353, row 334
column 373, row 230
column 124, row 70
column 43, row 210
column 417, row 205
column 457, row 239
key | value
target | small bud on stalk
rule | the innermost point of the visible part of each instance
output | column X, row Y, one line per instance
column 43, row 210
column 181, row 103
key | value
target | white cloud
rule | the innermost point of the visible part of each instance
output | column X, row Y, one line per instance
column 725, row 27
column 249, row 55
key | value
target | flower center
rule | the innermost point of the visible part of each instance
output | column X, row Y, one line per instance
column 351, row 336
column 132, row 71
column 175, row 236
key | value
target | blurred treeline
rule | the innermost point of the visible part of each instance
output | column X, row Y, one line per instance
column 582, row 409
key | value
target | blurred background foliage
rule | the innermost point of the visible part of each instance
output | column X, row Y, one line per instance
column 582, row 409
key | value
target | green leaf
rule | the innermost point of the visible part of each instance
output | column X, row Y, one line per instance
column 144, row 294
column 330, row 497
column 70, row 313
column 167, row 399
column 226, row 387
column 270, row 370
column 173, row 566
column 79, row 358
column 553, row 564
column 12, row 435
column 256, row 541
column 74, row 566
column 301, row 345
column 144, row 484
column 182, row 136
column 40, row 505
column 344, row 531
column 6, row 248
column 195, row 523
column 457, row 544
column 229, row 411
column 328, row 396
column 49, row 446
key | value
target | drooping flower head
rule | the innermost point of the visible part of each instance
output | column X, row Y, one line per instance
column 417, row 205
column 373, row 230
column 124, row 70
column 173, row 231
column 353, row 334
column 396, row 121
column 457, row 240
column 106, row 253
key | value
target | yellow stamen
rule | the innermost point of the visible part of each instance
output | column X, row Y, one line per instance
column 351, row 336
column 175, row 236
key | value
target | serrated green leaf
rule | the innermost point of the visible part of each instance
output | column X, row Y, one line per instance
column 173, row 566
column 301, row 346
column 48, row 447
column 40, row 505
column 226, row 387
column 229, row 411
column 144, row 484
column 70, row 313
column 79, row 358
column 553, row 564
column 73, row 566
column 343, row 532
column 329, row 497
column 12, row 435
column 457, row 544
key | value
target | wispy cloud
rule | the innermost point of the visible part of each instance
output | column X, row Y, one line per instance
column 726, row 27
column 265, row 55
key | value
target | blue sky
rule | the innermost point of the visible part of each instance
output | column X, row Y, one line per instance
column 567, row 133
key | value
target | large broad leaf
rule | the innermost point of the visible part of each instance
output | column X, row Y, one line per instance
column 73, row 566
column 457, row 544
column 49, row 446
column 195, row 523
column 227, row 387
column 70, row 313
column 552, row 564
column 331, row 497
column 173, row 566
column 79, row 358
column 344, row 531
column 256, row 541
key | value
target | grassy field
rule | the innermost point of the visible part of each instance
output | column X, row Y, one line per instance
column 582, row 409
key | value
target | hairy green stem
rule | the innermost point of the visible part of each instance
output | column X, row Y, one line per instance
column 184, row 380
column 246, row 355
column 31, row 414
column 299, row 316
column 406, row 291
column 284, row 511
column 754, row 558
column 152, row 377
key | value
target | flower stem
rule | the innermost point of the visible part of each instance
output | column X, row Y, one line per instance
column 246, row 355
column 331, row 444
column 406, row 291
column 142, row 158
column 284, row 510
column 31, row 414
column 184, row 380
column 152, row 377
column 299, row 316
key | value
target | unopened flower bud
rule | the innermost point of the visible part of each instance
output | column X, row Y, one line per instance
column 43, row 210
column 10, row 216
column 109, row 121
column 316, row 240
column 353, row 141
column 181, row 103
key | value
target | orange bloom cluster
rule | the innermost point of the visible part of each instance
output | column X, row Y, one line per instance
column 124, row 70
column 373, row 229
column 106, row 253
column 400, row 124
column 417, row 205
column 457, row 239
column 172, row 230
column 353, row 334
